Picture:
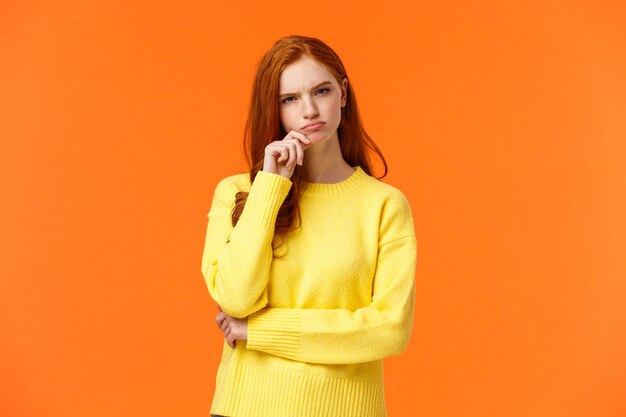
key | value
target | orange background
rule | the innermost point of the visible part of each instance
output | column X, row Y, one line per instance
column 504, row 124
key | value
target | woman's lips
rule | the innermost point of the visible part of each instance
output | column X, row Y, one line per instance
column 313, row 127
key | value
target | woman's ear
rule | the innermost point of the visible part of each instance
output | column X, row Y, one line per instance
column 344, row 91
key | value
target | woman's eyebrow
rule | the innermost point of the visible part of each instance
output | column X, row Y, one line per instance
column 312, row 88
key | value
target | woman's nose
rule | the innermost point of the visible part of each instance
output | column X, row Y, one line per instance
column 309, row 107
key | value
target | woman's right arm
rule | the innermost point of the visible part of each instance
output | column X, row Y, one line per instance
column 236, row 270
column 236, row 261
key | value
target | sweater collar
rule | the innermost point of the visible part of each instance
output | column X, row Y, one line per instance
column 358, row 178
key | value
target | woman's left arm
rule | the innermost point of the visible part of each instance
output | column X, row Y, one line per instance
column 340, row 336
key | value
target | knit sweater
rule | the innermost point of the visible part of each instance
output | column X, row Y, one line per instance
column 337, row 299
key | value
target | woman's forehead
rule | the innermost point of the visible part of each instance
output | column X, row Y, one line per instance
column 304, row 74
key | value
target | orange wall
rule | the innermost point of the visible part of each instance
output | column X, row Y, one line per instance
column 503, row 123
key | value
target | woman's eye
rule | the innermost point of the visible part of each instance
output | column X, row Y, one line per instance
column 285, row 100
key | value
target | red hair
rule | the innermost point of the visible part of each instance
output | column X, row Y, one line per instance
column 263, row 124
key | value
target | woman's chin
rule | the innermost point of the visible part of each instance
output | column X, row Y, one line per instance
column 316, row 136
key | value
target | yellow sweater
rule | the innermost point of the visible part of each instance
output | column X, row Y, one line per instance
column 322, row 318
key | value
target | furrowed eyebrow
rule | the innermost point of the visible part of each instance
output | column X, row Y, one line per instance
column 314, row 87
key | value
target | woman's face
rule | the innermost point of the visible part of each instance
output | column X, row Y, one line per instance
column 303, row 99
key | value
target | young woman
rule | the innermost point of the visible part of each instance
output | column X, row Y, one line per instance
column 310, row 259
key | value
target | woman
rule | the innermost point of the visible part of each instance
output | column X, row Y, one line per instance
column 310, row 259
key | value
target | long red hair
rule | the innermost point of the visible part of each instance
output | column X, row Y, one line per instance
column 263, row 124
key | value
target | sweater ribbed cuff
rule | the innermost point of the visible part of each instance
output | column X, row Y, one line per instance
column 267, row 193
column 275, row 331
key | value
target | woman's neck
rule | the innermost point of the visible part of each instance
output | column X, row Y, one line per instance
column 323, row 162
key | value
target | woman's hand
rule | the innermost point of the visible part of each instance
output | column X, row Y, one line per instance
column 233, row 328
column 281, row 156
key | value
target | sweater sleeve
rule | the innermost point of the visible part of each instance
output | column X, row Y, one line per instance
column 236, row 260
column 341, row 336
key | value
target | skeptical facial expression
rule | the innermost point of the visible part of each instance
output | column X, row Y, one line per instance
column 308, row 94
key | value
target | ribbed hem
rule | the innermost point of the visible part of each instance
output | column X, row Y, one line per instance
column 245, row 390
column 267, row 193
column 356, row 180
column 275, row 331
